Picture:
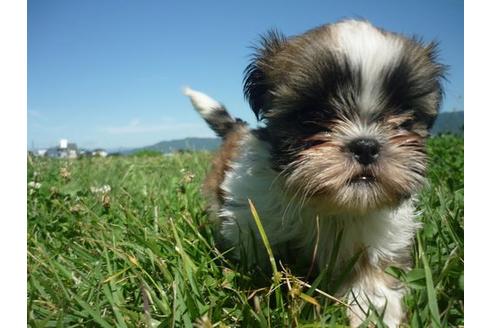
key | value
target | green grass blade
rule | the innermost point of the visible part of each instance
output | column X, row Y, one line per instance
column 431, row 292
column 94, row 314
column 276, row 275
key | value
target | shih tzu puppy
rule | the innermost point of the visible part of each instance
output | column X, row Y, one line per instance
column 345, row 111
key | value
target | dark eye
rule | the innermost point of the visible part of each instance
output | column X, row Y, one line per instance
column 406, row 125
column 314, row 127
column 313, row 143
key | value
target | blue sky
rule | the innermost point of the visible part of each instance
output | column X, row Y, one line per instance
column 109, row 73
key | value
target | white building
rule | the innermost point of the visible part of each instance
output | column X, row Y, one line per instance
column 63, row 143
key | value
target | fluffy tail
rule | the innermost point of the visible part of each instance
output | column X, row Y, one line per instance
column 213, row 112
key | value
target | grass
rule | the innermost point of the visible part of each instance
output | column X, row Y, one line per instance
column 125, row 242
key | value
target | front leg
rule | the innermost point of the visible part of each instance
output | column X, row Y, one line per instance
column 374, row 290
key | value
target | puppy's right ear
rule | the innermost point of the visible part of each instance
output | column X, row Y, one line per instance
column 257, row 86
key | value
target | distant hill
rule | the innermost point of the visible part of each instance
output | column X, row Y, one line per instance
column 449, row 122
column 182, row 144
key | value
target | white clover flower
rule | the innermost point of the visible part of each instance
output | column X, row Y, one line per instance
column 101, row 190
column 34, row 185
column 106, row 188
column 76, row 279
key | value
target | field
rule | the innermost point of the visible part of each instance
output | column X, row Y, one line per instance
column 125, row 242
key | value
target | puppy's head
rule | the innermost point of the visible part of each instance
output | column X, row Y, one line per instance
column 347, row 108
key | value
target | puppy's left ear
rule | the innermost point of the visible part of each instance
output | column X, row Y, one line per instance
column 416, row 81
column 257, row 85
column 433, row 73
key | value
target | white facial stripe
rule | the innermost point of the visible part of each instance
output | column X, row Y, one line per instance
column 349, row 130
column 372, row 52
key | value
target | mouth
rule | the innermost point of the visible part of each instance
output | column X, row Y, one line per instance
column 363, row 178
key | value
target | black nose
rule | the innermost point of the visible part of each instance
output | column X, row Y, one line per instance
column 365, row 151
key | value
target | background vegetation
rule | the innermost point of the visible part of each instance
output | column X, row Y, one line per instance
column 124, row 242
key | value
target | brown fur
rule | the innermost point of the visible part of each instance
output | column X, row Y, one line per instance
column 220, row 165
